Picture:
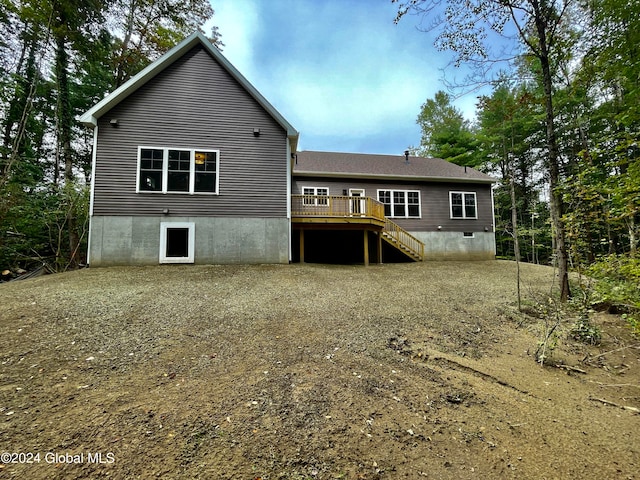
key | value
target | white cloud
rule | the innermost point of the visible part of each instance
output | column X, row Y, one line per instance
column 337, row 70
column 238, row 21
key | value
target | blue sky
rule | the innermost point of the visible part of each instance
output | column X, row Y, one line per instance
column 339, row 71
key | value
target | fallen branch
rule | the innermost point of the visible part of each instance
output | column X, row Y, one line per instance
column 570, row 368
column 617, row 384
column 439, row 357
column 607, row 402
column 616, row 350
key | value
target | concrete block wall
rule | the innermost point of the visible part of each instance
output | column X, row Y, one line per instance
column 128, row 240
column 455, row 246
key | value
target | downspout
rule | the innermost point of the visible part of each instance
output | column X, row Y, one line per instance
column 92, row 192
column 289, row 169
column 493, row 220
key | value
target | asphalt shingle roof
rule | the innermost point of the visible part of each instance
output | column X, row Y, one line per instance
column 362, row 165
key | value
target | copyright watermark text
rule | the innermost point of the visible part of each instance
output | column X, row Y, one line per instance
column 54, row 457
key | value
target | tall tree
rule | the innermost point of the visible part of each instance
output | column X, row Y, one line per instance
column 145, row 29
column 71, row 20
column 470, row 28
column 445, row 132
column 615, row 55
column 509, row 138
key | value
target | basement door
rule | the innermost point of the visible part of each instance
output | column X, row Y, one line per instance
column 177, row 242
column 357, row 206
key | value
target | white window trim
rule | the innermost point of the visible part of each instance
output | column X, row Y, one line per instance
column 315, row 200
column 464, row 211
column 165, row 170
column 164, row 226
column 406, row 202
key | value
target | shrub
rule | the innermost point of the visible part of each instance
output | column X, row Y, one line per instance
column 586, row 332
column 618, row 286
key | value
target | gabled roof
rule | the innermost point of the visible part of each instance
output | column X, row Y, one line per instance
column 391, row 167
column 90, row 118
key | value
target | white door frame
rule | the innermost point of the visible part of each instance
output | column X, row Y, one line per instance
column 357, row 207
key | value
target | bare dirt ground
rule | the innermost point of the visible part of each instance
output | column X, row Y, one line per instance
column 307, row 372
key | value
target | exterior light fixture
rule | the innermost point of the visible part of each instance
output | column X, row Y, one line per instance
column 114, row 122
column 165, row 211
column 256, row 132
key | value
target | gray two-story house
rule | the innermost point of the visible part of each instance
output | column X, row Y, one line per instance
column 191, row 164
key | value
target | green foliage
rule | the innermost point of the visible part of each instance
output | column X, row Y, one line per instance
column 585, row 331
column 634, row 322
column 36, row 227
column 617, row 267
column 617, row 286
column 445, row 132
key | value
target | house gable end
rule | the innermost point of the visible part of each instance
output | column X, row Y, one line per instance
column 193, row 104
column 90, row 118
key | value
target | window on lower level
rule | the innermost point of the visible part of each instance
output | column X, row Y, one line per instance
column 177, row 242
column 463, row 205
column 167, row 170
column 400, row 203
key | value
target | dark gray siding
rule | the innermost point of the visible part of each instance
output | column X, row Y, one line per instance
column 434, row 201
column 194, row 103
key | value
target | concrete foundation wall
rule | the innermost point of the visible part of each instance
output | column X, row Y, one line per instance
column 127, row 240
column 455, row 246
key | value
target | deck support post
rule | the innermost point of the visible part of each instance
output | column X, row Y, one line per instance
column 366, row 247
column 379, row 235
column 302, row 245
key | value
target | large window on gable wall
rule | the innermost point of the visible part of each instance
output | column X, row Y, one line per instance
column 171, row 170
column 400, row 203
column 463, row 205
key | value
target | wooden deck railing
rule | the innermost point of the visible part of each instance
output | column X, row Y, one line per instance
column 396, row 234
column 336, row 206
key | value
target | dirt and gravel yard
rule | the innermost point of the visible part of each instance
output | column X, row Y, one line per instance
column 307, row 372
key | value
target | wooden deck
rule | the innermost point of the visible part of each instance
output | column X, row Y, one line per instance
column 350, row 212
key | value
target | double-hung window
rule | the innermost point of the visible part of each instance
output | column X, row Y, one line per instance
column 463, row 205
column 317, row 198
column 169, row 170
column 400, row 203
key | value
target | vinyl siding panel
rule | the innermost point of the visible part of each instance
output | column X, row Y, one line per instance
column 434, row 201
column 194, row 103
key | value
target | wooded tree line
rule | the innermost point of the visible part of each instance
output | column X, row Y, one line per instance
column 561, row 122
column 57, row 59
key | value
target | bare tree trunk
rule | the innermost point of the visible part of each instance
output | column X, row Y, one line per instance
column 555, row 196
column 516, row 241
column 19, row 109
column 121, row 68
column 64, row 123
column 633, row 239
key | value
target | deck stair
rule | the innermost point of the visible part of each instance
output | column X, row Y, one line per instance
column 398, row 237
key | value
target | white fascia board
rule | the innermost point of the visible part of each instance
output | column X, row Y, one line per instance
column 365, row 176
column 90, row 118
